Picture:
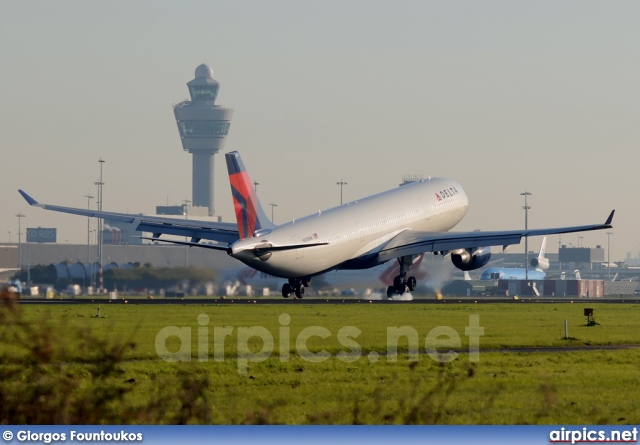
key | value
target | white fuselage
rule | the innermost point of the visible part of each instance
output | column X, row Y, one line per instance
column 357, row 228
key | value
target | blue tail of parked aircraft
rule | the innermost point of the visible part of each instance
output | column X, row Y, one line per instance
column 539, row 264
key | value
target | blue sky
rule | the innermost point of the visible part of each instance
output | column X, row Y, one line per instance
column 503, row 96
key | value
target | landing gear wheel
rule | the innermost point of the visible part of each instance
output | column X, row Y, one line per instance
column 398, row 284
column 391, row 291
column 412, row 283
column 300, row 291
column 286, row 290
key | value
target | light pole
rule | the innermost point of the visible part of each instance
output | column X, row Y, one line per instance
column 100, row 229
column 89, row 198
column 580, row 241
column 20, row 216
column 186, row 203
column 341, row 183
column 28, row 263
column 559, row 247
column 255, row 186
column 273, row 204
column 609, row 254
column 94, row 233
column 526, row 238
column 9, row 232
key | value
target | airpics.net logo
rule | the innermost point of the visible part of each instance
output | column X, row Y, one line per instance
column 587, row 435
column 437, row 340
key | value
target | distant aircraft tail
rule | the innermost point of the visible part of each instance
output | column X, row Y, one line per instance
column 543, row 247
column 249, row 212
column 541, row 263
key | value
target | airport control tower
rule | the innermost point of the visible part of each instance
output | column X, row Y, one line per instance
column 203, row 128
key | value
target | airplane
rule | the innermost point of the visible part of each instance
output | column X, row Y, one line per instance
column 537, row 272
column 397, row 224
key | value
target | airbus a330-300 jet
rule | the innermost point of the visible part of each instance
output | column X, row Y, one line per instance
column 398, row 224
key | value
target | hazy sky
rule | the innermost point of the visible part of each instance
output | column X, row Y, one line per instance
column 503, row 96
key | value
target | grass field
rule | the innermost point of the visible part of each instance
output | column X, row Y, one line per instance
column 61, row 364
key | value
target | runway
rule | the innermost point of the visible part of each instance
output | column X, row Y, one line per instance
column 318, row 300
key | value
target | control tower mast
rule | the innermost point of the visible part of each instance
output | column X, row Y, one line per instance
column 203, row 128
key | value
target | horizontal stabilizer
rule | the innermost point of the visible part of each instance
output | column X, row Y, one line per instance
column 185, row 243
column 264, row 249
column 290, row 247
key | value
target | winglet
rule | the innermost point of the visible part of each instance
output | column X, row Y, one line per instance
column 610, row 218
column 29, row 199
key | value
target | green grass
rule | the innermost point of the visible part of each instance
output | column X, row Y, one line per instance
column 65, row 350
column 505, row 325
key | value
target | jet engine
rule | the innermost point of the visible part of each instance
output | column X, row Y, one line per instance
column 539, row 263
column 470, row 259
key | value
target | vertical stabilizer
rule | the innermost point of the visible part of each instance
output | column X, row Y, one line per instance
column 543, row 248
column 541, row 263
column 249, row 212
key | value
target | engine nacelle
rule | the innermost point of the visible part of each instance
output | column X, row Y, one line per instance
column 470, row 259
column 539, row 263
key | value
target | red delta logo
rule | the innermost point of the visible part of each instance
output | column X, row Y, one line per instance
column 446, row 193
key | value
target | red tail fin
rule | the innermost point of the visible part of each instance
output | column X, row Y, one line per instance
column 249, row 213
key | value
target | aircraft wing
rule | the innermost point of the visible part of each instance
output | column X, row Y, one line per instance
column 194, row 229
column 413, row 243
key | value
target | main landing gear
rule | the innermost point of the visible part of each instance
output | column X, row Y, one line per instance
column 401, row 284
column 295, row 285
